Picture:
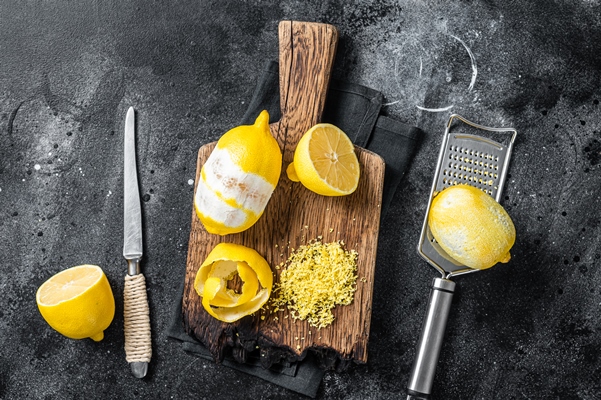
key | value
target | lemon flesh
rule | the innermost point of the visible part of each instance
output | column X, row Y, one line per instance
column 471, row 226
column 224, row 262
column 325, row 162
column 77, row 302
column 238, row 178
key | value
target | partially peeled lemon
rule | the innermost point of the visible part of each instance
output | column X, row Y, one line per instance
column 471, row 226
column 238, row 179
column 224, row 263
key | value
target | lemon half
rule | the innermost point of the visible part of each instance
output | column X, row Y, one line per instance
column 325, row 162
column 77, row 302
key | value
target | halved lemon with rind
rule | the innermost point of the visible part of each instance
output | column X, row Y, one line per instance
column 224, row 263
column 77, row 302
column 325, row 162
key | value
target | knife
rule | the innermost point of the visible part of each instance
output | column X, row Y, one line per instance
column 136, row 317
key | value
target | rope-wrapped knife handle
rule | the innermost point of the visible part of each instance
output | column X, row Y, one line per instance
column 136, row 320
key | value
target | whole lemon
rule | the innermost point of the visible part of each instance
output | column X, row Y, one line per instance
column 77, row 302
column 471, row 226
column 238, row 179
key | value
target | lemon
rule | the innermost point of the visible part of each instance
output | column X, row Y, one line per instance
column 238, row 178
column 77, row 302
column 225, row 262
column 325, row 162
column 471, row 226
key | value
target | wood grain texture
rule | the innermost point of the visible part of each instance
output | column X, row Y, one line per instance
column 295, row 216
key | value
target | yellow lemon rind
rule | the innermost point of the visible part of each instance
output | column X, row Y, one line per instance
column 85, row 315
column 249, row 265
column 471, row 227
column 244, row 151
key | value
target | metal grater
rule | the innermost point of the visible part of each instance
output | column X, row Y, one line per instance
column 469, row 159
column 464, row 158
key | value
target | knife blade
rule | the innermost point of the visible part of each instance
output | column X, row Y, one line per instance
column 132, row 211
column 136, row 316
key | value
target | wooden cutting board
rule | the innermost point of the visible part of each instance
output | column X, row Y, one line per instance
column 295, row 216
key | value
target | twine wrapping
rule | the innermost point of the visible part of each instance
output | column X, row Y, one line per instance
column 136, row 320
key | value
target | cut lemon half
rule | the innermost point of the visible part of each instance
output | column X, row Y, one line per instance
column 77, row 302
column 325, row 162
column 224, row 263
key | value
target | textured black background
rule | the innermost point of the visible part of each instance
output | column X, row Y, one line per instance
column 530, row 329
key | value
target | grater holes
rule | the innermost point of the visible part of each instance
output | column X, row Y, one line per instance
column 467, row 165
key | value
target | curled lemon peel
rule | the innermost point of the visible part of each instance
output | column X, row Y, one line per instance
column 229, row 298
column 223, row 263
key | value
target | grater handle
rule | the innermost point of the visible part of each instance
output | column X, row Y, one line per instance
column 430, row 341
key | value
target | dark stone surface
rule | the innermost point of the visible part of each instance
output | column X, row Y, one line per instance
column 69, row 70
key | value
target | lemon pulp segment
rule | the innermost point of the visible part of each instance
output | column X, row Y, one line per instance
column 68, row 284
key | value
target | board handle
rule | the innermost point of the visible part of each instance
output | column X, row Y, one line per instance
column 430, row 341
column 307, row 52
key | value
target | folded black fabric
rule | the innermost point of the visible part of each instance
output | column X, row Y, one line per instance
column 356, row 110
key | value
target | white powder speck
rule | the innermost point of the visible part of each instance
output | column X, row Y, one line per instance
column 109, row 193
column 190, row 182
column 37, row 167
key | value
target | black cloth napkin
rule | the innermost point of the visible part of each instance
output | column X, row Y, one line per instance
column 356, row 110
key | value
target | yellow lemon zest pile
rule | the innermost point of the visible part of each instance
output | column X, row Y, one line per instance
column 325, row 162
column 77, row 302
column 225, row 262
column 317, row 277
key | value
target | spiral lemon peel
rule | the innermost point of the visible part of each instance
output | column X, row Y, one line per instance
column 224, row 263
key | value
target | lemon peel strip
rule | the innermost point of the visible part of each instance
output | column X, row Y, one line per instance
column 227, row 297
column 223, row 263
